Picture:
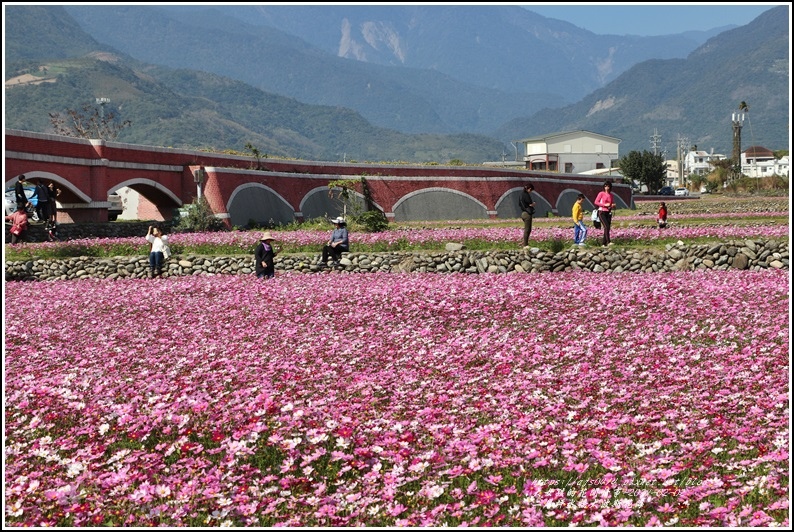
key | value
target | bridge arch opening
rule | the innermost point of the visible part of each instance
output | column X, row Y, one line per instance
column 438, row 203
column 255, row 204
column 507, row 205
column 145, row 199
column 317, row 203
column 567, row 198
column 69, row 192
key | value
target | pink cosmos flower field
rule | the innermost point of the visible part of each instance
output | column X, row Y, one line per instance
column 247, row 240
column 571, row 398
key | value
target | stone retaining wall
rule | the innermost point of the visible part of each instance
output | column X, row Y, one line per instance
column 737, row 254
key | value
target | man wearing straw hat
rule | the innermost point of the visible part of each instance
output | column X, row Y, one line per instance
column 265, row 255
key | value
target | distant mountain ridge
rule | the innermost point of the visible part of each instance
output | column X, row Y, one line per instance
column 425, row 69
column 481, row 45
column 692, row 98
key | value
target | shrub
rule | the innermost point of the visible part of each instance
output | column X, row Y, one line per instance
column 372, row 221
column 198, row 217
column 557, row 245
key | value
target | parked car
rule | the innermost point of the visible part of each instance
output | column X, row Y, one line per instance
column 681, row 191
column 11, row 199
column 666, row 191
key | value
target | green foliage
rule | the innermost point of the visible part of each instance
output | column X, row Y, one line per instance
column 198, row 217
column 556, row 245
column 197, row 110
column 345, row 186
column 258, row 155
column 697, row 180
column 645, row 168
column 344, row 189
column 372, row 221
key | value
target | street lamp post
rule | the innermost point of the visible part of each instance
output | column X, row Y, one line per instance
column 198, row 179
column 102, row 102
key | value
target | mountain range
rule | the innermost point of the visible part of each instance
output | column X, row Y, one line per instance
column 412, row 83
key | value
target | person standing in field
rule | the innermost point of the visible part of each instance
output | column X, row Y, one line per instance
column 605, row 202
column 19, row 192
column 661, row 219
column 527, row 206
column 579, row 228
column 265, row 255
column 43, row 204
column 53, row 192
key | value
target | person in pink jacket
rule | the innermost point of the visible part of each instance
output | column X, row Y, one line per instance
column 605, row 202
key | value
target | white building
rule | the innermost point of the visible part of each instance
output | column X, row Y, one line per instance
column 781, row 166
column 672, row 176
column 573, row 152
column 698, row 162
column 758, row 161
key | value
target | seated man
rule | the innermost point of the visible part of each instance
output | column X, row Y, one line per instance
column 337, row 244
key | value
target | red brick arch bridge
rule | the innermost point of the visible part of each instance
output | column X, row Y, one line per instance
column 283, row 191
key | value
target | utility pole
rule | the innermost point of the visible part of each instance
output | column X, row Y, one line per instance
column 683, row 148
column 737, row 119
column 656, row 138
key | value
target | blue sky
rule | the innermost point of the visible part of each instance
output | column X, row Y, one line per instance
column 651, row 18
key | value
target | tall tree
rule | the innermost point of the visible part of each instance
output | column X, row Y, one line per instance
column 645, row 168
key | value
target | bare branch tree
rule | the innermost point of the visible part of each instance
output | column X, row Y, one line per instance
column 89, row 123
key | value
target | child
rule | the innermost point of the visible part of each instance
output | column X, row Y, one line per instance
column 52, row 231
column 579, row 228
column 662, row 218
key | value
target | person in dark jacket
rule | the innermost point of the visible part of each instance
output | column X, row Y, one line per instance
column 19, row 192
column 527, row 206
column 265, row 255
column 53, row 192
column 43, row 197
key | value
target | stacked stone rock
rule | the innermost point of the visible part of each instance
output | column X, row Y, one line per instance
column 737, row 254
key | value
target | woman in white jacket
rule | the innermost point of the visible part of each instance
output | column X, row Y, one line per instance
column 157, row 257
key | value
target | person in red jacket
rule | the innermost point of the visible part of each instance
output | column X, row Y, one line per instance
column 662, row 217
column 19, row 223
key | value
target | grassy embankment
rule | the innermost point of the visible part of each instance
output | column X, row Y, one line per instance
column 711, row 211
